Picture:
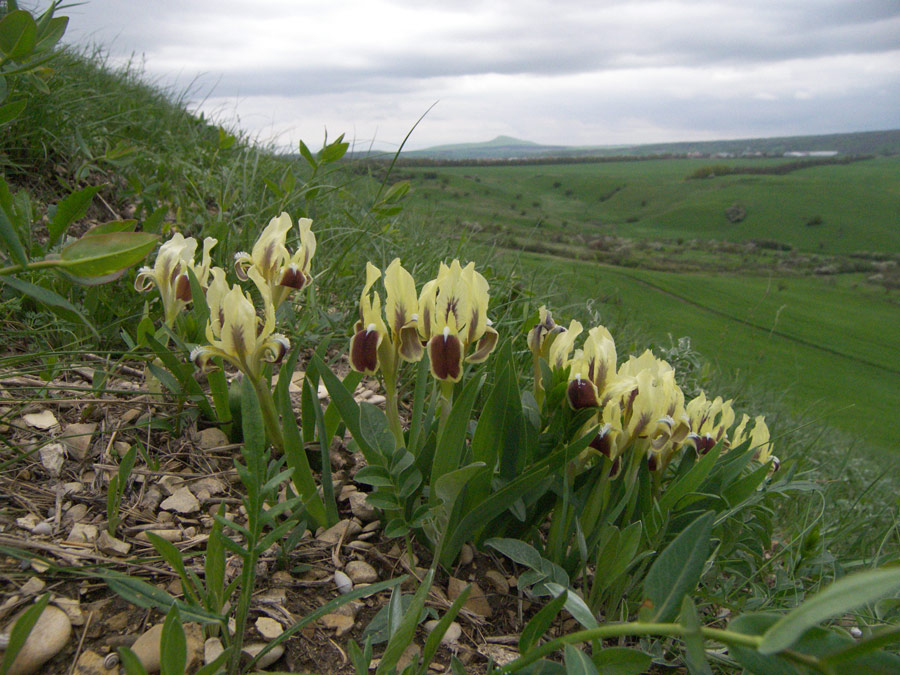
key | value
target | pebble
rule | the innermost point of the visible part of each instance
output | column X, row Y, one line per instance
column 466, row 555
column 340, row 623
column 498, row 581
column 343, row 582
column 33, row 586
column 168, row 535
column 50, row 634
column 181, row 501
column 77, row 438
column 268, row 628
column 477, row 603
column 271, row 656
column 90, row 663
column 43, row 420
column 212, row 438
column 42, row 529
column 53, row 456
column 111, row 545
column 344, row 529
column 147, row 646
column 360, row 507
column 212, row 648
column 72, row 608
column 452, row 634
column 361, row 572
column 83, row 533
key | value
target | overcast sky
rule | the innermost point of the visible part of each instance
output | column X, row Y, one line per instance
column 571, row 72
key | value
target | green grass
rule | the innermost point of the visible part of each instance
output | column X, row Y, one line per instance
column 652, row 199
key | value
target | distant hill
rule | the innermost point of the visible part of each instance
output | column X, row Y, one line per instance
column 505, row 147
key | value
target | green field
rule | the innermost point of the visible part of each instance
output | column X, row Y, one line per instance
column 859, row 203
column 826, row 343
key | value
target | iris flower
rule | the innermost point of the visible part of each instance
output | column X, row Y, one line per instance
column 758, row 437
column 234, row 330
column 169, row 273
column 453, row 319
column 281, row 271
column 378, row 344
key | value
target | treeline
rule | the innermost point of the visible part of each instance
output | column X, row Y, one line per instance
column 713, row 170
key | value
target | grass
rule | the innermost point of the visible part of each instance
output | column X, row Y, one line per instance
column 652, row 199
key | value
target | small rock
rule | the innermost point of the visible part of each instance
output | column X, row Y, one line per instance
column 75, row 513
column 91, row 663
column 322, row 392
column 268, row 628
column 83, row 533
column 360, row 507
column 498, row 581
column 361, row 572
column 501, row 655
column 212, row 438
column 466, row 555
column 33, row 586
column 182, row 501
column 168, row 535
column 28, row 522
column 344, row 529
column 112, row 546
column 48, row 636
column 270, row 657
column 73, row 488
column 377, row 399
column 212, row 648
column 151, row 498
column 340, row 623
column 42, row 529
column 211, row 485
column 77, row 438
column 42, row 420
column 409, row 654
column 452, row 634
column 171, row 483
column 72, row 608
column 53, row 456
column 282, row 578
column 477, row 602
column 147, row 646
column 343, row 582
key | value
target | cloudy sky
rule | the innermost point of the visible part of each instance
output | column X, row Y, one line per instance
column 572, row 72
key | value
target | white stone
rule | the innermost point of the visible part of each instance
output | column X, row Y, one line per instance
column 77, row 438
column 268, row 628
column 361, row 508
column 43, row 420
column 53, row 456
column 361, row 572
column 452, row 634
column 343, row 582
column 270, row 657
column 48, row 636
column 182, row 501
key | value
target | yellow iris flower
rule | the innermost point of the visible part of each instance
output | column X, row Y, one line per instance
column 369, row 350
column 453, row 318
column 169, row 273
column 234, row 330
column 281, row 271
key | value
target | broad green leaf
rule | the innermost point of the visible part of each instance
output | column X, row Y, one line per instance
column 537, row 627
column 816, row 642
column 333, row 151
column 112, row 226
column 20, row 632
column 11, row 111
column 70, row 209
column 18, row 34
column 307, row 155
column 842, row 596
column 690, row 481
column 677, row 570
column 448, row 486
column 102, row 254
column 173, row 645
column 575, row 606
column 51, row 300
column 578, row 663
column 374, row 427
column 173, row 557
column 49, row 36
column 622, row 661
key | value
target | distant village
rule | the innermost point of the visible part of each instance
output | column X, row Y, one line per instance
column 756, row 153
